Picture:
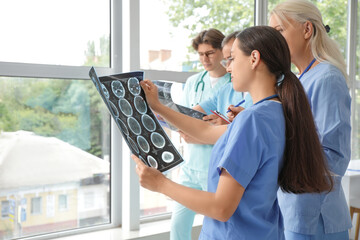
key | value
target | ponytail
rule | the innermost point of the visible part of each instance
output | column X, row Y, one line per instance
column 305, row 169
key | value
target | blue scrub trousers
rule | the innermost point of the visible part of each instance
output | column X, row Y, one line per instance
column 319, row 235
column 182, row 218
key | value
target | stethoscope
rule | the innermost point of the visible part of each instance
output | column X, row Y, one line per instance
column 200, row 84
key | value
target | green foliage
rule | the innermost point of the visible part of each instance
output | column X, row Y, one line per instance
column 101, row 59
column 224, row 15
column 334, row 14
column 69, row 110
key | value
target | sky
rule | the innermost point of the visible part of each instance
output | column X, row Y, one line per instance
column 57, row 31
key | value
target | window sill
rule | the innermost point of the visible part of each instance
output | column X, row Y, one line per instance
column 150, row 231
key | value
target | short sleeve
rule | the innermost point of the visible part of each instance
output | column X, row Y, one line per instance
column 244, row 148
column 186, row 93
column 210, row 103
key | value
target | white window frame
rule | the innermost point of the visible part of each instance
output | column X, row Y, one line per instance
column 125, row 15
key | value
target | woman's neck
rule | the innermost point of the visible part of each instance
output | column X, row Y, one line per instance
column 263, row 86
column 303, row 62
column 218, row 72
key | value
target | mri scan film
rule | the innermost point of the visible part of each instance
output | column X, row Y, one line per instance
column 141, row 130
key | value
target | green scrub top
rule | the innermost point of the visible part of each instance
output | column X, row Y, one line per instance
column 198, row 155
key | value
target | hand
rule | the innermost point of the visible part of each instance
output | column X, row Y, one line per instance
column 149, row 178
column 151, row 92
column 234, row 111
column 214, row 120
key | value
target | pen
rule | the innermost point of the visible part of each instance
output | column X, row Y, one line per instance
column 241, row 102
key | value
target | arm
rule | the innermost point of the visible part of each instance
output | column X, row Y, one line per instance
column 189, row 139
column 196, row 128
column 211, row 118
column 220, row 205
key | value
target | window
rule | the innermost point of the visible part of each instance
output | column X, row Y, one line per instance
column 61, row 32
column 36, row 205
column 167, row 46
column 63, row 202
column 165, row 42
column 355, row 113
column 60, row 130
column 5, row 209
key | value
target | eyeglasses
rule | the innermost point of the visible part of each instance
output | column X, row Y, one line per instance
column 226, row 62
column 208, row 54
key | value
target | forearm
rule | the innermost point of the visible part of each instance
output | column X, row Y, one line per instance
column 199, row 201
column 196, row 128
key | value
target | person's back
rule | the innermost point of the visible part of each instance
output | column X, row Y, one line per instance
column 330, row 103
column 257, row 138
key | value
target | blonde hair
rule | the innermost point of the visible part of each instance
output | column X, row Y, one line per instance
column 323, row 48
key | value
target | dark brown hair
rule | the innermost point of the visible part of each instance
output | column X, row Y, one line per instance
column 305, row 169
column 211, row 36
column 228, row 38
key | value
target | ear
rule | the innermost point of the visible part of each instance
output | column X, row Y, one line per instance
column 254, row 59
column 308, row 30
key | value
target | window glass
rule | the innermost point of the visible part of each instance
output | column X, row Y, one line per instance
column 165, row 40
column 5, row 209
column 36, row 205
column 61, row 32
column 334, row 14
column 63, row 204
column 165, row 44
column 54, row 149
column 355, row 143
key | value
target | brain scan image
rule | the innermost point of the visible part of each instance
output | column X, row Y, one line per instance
column 106, row 93
column 134, row 86
column 143, row 144
column 157, row 140
column 122, row 126
column 139, row 126
column 113, row 109
column 118, row 89
column 140, row 104
column 133, row 145
column 167, row 157
column 134, row 125
column 94, row 81
column 148, row 123
column 152, row 162
column 125, row 107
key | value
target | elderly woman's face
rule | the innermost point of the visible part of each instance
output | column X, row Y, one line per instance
column 293, row 32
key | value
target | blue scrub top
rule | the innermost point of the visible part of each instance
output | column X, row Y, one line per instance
column 198, row 155
column 330, row 103
column 223, row 98
column 251, row 150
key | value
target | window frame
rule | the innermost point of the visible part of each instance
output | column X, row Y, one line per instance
column 124, row 185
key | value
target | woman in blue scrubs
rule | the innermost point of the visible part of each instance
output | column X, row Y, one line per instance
column 263, row 148
column 322, row 72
